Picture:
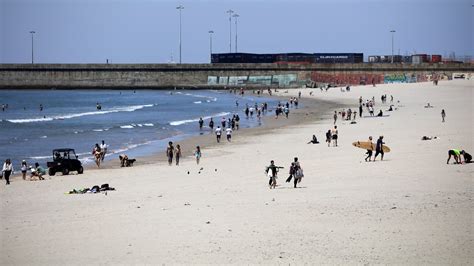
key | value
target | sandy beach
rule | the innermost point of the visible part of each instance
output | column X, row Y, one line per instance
column 411, row 208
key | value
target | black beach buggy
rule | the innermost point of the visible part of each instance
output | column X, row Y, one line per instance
column 64, row 161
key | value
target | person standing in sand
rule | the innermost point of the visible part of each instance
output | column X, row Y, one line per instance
column 334, row 135
column 24, row 169
column 335, row 117
column 169, row 153
column 443, row 115
column 369, row 152
column 103, row 150
column 7, row 170
column 197, row 154
column 379, row 148
column 328, row 137
column 97, row 152
column 177, row 153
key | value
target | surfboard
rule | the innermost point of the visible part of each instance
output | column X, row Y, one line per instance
column 367, row 145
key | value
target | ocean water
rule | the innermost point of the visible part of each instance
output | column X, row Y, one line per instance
column 137, row 123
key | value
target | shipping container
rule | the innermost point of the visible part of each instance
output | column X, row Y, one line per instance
column 424, row 57
column 436, row 58
column 339, row 57
column 416, row 59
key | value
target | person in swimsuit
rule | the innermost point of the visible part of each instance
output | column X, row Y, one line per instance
column 369, row 152
column 169, row 153
column 198, row 154
column 379, row 148
column 177, row 153
column 334, row 134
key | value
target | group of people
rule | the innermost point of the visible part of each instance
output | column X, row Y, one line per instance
column 457, row 154
column 176, row 153
column 8, row 170
column 378, row 149
column 295, row 173
column 99, row 152
column 331, row 136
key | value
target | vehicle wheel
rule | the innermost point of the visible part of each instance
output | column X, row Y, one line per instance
column 80, row 170
column 51, row 172
column 65, row 171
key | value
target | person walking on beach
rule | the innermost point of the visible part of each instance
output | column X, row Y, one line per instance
column 177, row 153
column 379, row 148
column 7, row 170
column 211, row 124
column 103, row 150
column 272, row 172
column 328, row 137
column 334, row 136
column 197, row 154
column 335, row 117
column 228, row 132
column 443, row 115
column 369, row 152
column 201, row 123
column 169, row 153
column 223, row 122
column 218, row 134
column 24, row 169
column 296, row 172
column 97, row 152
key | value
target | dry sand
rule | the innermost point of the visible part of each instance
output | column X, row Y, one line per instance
column 412, row 208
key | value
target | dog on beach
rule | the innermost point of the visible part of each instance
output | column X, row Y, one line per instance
column 125, row 161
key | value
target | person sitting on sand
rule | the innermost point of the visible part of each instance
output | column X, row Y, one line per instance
column 456, row 154
column 314, row 140
column 467, row 157
column 428, row 138
column 428, row 105
column 391, row 108
column 380, row 113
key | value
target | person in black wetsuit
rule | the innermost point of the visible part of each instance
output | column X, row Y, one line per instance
column 379, row 148
column 201, row 123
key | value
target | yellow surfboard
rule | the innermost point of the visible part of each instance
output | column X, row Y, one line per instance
column 367, row 145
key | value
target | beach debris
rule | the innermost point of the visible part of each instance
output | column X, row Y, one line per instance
column 188, row 172
column 393, row 208
column 273, row 199
column 215, row 170
column 202, row 168
column 199, row 172
column 208, row 222
column 138, row 207
column 187, row 204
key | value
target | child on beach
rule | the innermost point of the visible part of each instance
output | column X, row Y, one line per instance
column 456, row 154
column 169, row 153
column 177, row 154
column 24, row 169
column 97, row 152
column 197, row 154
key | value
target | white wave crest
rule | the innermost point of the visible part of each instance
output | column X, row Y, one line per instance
column 181, row 122
column 69, row 116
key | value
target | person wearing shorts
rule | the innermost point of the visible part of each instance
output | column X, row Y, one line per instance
column 334, row 133
column 456, row 154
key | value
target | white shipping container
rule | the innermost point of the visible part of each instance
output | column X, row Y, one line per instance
column 416, row 59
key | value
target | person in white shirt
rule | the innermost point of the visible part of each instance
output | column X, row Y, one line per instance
column 103, row 150
column 218, row 133
column 7, row 170
column 228, row 132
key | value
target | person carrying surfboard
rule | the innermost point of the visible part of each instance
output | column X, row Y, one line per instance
column 272, row 172
column 369, row 152
column 379, row 148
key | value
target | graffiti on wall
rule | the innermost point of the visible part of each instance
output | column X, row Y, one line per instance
column 395, row 78
column 347, row 78
column 274, row 80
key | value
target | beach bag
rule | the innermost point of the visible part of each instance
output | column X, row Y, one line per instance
column 299, row 173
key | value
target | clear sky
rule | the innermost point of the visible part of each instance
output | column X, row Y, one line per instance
column 147, row 31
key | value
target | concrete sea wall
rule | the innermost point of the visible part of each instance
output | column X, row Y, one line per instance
column 218, row 75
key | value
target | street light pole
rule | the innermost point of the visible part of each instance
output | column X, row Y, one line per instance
column 235, row 17
column 230, row 11
column 210, row 45
column 32, row 46
column 393, row 32
column 180, row 7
